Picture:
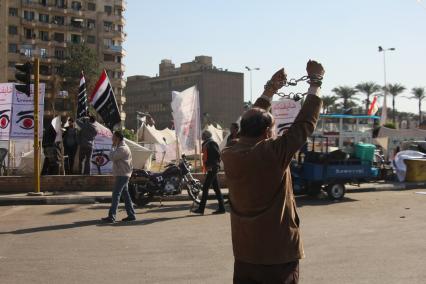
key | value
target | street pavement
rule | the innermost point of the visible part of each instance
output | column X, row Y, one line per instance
column 369, row 237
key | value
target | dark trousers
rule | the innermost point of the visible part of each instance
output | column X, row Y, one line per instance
column 70, row 152
column 247, row 273
column 85, row 157
column 211, row 180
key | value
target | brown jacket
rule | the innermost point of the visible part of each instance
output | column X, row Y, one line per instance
column 264, row 221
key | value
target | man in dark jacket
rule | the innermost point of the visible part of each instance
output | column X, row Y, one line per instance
column 211, row 159
column 70, row 139
column 264, row 222
column 233, row 136
column 86, row 139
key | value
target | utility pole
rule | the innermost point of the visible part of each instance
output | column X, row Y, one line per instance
column 36, row 128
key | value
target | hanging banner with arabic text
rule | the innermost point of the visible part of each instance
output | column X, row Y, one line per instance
column 186, row 115
column 285, row 112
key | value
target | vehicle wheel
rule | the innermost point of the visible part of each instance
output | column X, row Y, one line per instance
column 195, row 191
column 336, row 191
column 139, row 196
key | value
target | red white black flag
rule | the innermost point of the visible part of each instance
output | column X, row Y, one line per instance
column 82, row 107
column 103, row 100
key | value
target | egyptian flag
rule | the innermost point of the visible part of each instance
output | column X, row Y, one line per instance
column 373, row 107
column 82, row 98
column 103, row 100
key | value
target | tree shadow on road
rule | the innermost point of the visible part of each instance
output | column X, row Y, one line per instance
column 314, row 201
column 73, row 225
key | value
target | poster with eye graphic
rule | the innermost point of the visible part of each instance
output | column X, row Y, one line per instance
column 22, row 121
column 6, row 94
column 100, row 163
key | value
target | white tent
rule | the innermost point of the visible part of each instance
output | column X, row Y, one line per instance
column 150, row 135
column 141, row 156
column 217, row 133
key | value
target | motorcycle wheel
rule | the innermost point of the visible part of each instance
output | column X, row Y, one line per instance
column 139, row 197
column 194, row 191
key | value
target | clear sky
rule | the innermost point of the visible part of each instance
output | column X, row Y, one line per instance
column 342, row 34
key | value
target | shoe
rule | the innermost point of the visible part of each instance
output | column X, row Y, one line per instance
column 129, row 219
column 219, row 211
column 108, row 220
column 198, row 211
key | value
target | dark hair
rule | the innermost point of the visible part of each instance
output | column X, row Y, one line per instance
column 92, row 118
column 119, row 135
column 235, row 125
column 255, row 124
column 70, row 119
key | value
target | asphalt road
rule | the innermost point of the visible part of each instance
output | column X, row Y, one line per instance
column 370, row 237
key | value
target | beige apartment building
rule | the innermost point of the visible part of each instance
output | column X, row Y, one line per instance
column 44, row 28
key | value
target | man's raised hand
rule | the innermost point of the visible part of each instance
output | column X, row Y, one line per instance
column 278, row 80
column 314, row 69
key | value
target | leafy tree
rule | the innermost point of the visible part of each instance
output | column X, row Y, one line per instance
column 419, row 94
column 394, row 90
column 129, row 134
column 79, row 57
column 327, row 102
column 347, row 94
column 368, row 88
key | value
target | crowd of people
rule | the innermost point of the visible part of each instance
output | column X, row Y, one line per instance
column 62, row 149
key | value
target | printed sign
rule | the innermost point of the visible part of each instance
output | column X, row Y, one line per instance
column 6, row 94
column 100, row 163
column 285, row 112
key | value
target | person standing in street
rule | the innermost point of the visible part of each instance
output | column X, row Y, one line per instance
column 264, row 223
column 122, row 168
column 70, row 140
column 233, row 136
column 86, row 139
column 211, row 160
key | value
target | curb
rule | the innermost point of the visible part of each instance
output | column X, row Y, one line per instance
column 65, row 200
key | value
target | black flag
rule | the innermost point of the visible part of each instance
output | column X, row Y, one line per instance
column 82, row 98
column 103, row 100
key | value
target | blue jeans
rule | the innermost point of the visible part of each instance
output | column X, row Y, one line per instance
column 121, row 184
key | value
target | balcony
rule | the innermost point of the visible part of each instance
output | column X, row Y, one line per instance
column 116, row 82
column 114, row 49
column 121, row 3
column 115, row 66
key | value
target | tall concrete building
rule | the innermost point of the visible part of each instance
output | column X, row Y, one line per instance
column 44, row 28
column 221, row 92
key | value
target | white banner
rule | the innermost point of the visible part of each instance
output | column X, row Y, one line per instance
column 6, row 94
column 186, row 114
column 22, row 123
column 285, row 112
column 100, row 163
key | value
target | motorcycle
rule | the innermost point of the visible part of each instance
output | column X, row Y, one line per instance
column 144, row 185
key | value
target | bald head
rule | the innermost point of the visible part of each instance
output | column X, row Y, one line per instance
column 255, row 123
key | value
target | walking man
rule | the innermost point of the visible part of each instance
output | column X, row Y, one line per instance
column 86, row 139
column 264, row 222
column 211, row 159
column 121, row 158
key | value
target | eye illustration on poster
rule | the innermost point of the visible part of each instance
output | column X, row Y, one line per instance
column 6, row 93
column 100, row 159
column 100, row 162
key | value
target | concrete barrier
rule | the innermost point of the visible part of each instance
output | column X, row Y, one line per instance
column 23, row 184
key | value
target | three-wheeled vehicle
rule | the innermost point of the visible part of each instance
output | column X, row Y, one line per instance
column 332, row 170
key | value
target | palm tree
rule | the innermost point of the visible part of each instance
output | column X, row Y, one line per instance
column 419, row 94
column 368, row 88
column 394, row 90
column 346, row 94
column 327, row 102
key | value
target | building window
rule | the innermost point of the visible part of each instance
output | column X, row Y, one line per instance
column 60, row 3
column 44, row 70
column 13, row 30
column 58, row 69
column 43, row 2
column 91, row 24
column 77, row 22
column 13, row 12
column 59, row 37
column 76, row 5
column 118, row 59
column 108, row 10
column 107, row 42
column 28, row 51
column 43, row 53
column 75, row 38
column 29, row 33
column 108, row 57
column 43, row 35
column 59, row 53
column 118, row 11
column 13, row 48
column 119, row 28
column 44, row 18
column 107, row 26
column 91, row 39
column 91, row 6
column 29, row 15
column 58, row 20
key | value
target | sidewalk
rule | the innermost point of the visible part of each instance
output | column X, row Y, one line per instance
column 56, row 198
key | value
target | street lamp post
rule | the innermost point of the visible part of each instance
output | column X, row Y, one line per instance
column 381, row 49
column 251, row 81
